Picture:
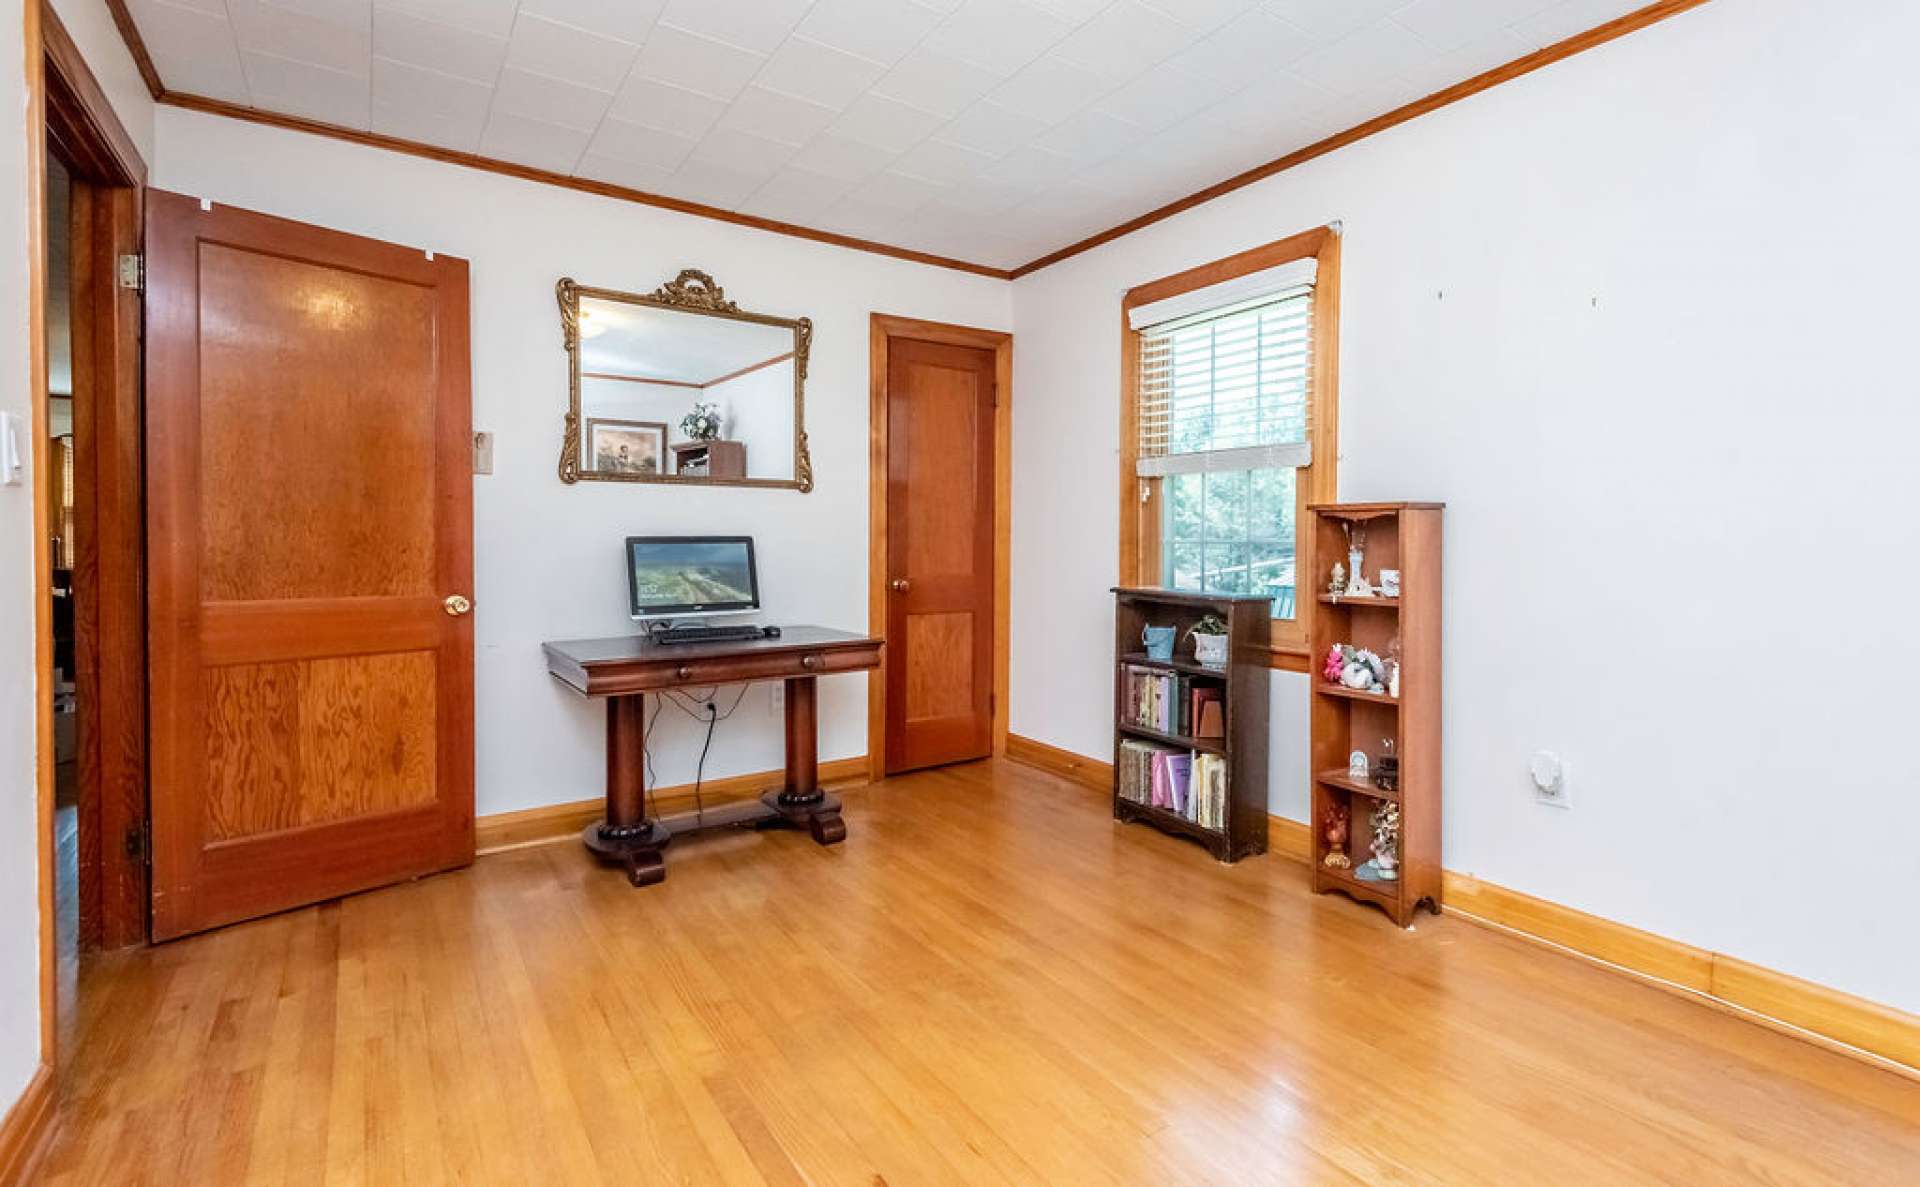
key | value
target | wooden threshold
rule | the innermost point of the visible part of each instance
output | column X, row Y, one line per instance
column 1830, row 1018
column 1559, row 51
column 503, row 831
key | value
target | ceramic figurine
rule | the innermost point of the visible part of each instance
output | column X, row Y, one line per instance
column 1338, row 585
column 1386, row 771
column 1386, row 841
column 1389, row 583
column 1357, row 766
column 1393, row 679
column 1336, row 858
column 1357, row 585
column 1335, row 665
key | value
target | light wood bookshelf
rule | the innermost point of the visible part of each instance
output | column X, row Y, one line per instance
column 1403, row 536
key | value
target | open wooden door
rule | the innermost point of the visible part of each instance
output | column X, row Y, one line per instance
column 310, row 563
column 940, row 553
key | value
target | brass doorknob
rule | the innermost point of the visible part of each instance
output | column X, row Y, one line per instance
column 901, row 585
column 456, row 605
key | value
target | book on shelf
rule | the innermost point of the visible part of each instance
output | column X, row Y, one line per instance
column 1171, row 703
column 1189, row 784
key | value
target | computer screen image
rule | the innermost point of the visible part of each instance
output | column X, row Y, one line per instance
column 672, row 576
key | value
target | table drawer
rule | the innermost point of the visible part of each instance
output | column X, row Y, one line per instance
column 731, row 669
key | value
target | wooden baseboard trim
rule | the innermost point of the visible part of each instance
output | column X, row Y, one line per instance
column 503, row 831
column 1076, row 768
column 27, row 1130
column 1288, row 838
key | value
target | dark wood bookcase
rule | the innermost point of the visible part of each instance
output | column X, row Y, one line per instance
column 1245, row 683
column 1406, row 537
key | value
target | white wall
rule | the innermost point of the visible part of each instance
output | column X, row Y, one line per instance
column 90, row 23
column 1669, row 399
column 758, row 412
column 547, row 556
column 19, row 855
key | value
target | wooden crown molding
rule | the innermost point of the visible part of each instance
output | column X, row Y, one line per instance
column 1559, row 51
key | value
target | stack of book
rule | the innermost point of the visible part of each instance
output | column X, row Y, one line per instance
column 1190, row 784
column 1172, row 704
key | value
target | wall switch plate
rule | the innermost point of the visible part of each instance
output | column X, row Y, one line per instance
column 11, row 469
column 483, row 453
column 1550, row 774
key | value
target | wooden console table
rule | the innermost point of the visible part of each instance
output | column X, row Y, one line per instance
column 622, row 670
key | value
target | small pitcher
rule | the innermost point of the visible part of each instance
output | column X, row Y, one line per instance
column 1159, row 641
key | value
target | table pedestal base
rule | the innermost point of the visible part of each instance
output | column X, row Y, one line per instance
column 643, row 851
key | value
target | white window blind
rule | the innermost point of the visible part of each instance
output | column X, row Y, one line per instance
column 1226, row 374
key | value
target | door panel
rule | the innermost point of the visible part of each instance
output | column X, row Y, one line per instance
column 310, row 505
column 940, row 492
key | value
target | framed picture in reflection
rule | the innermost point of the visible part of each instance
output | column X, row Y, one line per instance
column 627, row 446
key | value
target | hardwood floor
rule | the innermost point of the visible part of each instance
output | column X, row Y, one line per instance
column 989, row 982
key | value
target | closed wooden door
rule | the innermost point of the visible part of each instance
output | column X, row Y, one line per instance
column 310, row 550
column 940, row 579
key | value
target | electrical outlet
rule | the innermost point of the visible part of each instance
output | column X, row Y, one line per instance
column 1550, row 779
column 778, row 700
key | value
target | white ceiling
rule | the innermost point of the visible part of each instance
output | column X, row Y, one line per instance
column 668, row 344
column 993, row 131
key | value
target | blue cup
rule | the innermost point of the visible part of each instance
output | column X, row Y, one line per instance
column 1159, row 641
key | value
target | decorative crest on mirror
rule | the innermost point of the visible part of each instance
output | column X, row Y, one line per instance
column 694, row 289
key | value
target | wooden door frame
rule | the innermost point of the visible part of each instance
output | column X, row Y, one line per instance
column 884, row 328
column 68, row 112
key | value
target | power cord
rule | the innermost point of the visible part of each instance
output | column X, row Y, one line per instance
column 709, row 702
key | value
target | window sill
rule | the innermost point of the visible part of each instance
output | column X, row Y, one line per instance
column 1287, row 657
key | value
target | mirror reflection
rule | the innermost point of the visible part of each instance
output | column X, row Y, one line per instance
column 684, row 394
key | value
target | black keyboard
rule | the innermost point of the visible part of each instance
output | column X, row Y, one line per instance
column 714, row 634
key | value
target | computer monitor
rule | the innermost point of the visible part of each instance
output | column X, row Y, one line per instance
column 684, row 576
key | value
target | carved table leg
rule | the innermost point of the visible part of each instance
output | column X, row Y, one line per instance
column 802, row 801
column 626, row 835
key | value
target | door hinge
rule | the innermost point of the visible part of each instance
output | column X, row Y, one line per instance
column 140, row 843
column 133, row 272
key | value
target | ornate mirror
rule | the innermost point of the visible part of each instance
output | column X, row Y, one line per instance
column 682, row 385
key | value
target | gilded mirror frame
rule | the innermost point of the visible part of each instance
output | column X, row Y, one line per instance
column 693, row 291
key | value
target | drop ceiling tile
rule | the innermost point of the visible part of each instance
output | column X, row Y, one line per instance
column 532, row 142
column 623, row 20
column 697, row 63
column 987, row 196
column 898, row 191
column 1090, row 136
column 1031, row 165
column 936, row 82
column 992, row 129
column 1329, row 20
column 1264, row 110
column 550, row 100
column 741, row 152
column 209, row 7
column 1349, row 65
column 795, row 196
column 1449, row 25
column 836, row 156
column 1203, row 16
column 627, row 174
column 1050, row 90
column 817, row 72
column 1570, row 18
column 491, row 17
column 1475, row 57
column 713, row 183
column 303, row 89
column 852, row 215
column 354, row 14
column 777, row 117
column 340, row 44
column 756, row 25
column 665, row 107
column 458, row 132
column 939, row 161
column 878, row 30
column 1076, row 12
column 450, row 49
column 1165, row 95
column 1000, row 35
column 885, row 124
column 561, row 51
column 618, row 140
column 1247, row 48
column 403, row 85
column 1124, row 40
column 194, row 50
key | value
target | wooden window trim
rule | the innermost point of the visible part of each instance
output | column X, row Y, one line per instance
column 1317, row 483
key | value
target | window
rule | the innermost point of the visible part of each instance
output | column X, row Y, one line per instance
column 1230, row 396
